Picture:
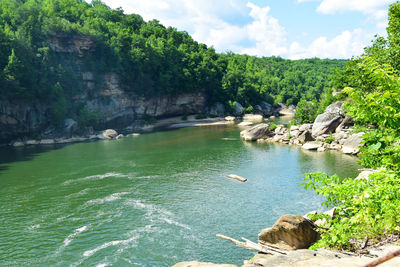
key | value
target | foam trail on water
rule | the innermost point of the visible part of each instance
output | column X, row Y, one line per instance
column 112, row 197
column 89, row 253
column 74, row 234
column 97, row 177
column 155, row 213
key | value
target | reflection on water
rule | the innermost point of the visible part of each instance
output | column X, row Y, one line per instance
column 152, row 200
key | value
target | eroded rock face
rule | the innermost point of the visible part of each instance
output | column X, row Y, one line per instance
column 257, row 132
column 290, row 232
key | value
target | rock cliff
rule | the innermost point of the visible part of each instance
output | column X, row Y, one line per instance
column 104, row 93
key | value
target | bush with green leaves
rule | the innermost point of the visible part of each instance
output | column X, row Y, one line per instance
column 365, row 207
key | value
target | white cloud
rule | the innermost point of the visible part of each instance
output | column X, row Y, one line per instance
column 345, row 45
column 244, row 27
column 269, row 37
column 365, row 6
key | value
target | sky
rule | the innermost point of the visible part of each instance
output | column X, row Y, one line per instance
column 291, row 29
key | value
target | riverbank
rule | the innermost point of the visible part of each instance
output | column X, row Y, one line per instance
column 161, row 124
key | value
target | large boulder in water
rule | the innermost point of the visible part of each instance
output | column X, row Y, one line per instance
column 264, row 108
column 257, row 132
column 290, row 232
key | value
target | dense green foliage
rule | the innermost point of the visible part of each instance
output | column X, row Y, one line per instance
column 369, row 207
column 150, row 59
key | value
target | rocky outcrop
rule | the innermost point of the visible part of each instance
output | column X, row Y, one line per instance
column 321, row 258
column 328, row 121
column 257, row 132
column 72, row 44
column 290, row 232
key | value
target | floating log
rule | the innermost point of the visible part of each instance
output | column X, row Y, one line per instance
column 253, row 246
column 235, row 177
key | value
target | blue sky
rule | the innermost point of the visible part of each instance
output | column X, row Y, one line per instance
column 287, row 28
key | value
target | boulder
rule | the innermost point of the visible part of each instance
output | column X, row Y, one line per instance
column 321, row 149
column 257, row 132
column 345, row 124
column 201, row 264
column 326, row 123
column 352, row 144
column 305, row 137
column 17, row 144
column 238, row 109
column 32, row 142
column 294, row 133
column 312, row 145
column 264, row 108
column 335, row 108
column 120, row 136
column 109, row 134
column 290, row 232
column 217, row 109
column 229, row 118
column 305, row 127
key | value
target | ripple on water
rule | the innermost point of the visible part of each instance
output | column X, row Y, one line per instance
column 131, row 241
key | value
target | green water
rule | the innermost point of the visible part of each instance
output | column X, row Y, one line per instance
column 151, row 200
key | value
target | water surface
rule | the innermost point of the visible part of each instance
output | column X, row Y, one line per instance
column 151, row 200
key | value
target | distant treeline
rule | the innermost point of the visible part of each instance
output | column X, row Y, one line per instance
column 150, row 59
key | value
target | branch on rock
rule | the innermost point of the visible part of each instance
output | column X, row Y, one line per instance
column 383, row 259
column 253, row 246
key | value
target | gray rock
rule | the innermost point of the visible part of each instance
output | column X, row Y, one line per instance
column 312, row 145
column 352, row 144
column 290, row 232
column 109, row 134
column 264, row 108
column 294, row 133
column 217, row 109
column 305, row 137
column 257, row 132
column 32, row 142
column 345, row 124
column 238, row 109
column 120, row 136
column 326, row 123
column 335, row 108
column 305, row 127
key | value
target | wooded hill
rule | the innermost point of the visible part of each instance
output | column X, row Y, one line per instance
column 150, row 59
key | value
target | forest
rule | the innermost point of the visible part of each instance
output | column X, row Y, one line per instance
column 368, row 208
column 151, row 59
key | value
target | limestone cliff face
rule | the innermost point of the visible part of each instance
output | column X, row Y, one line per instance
column 103, row 93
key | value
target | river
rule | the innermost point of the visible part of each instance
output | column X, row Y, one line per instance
column 151, row 200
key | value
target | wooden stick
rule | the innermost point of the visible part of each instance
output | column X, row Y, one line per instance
column 235, row 177
column 252, row 246
column 383, row 259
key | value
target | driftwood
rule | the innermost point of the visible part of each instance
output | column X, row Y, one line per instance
column 235, row 177
column 253, row 246
column 383, row 259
